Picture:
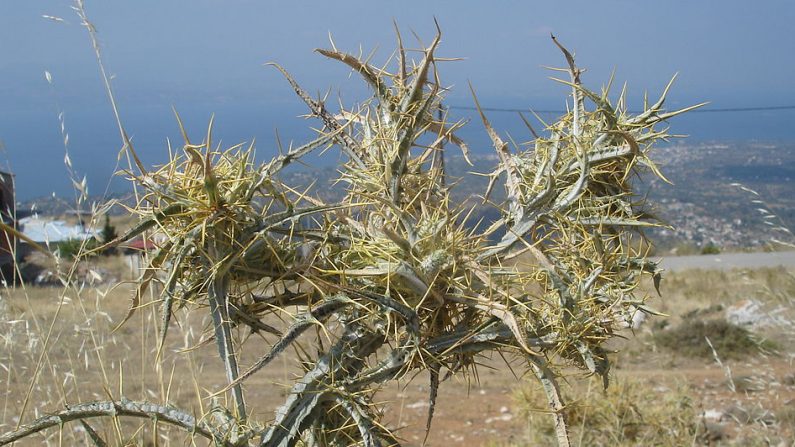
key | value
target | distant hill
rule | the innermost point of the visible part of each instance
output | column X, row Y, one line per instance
column 53, row 206
column 701, row 204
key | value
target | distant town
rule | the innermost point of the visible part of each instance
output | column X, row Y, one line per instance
column 723, row 195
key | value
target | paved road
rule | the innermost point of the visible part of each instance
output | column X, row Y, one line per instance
column 729, row 261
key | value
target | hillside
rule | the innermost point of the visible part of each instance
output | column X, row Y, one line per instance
column 703, row 204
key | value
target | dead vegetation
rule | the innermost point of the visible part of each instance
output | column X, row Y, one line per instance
column 629, row 413
column 386, row 284
column 681, row 392
column 729, row 340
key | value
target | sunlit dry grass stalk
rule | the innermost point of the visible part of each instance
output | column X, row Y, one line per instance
column 391, row 277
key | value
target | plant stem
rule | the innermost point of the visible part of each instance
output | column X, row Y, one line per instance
column 217, row 295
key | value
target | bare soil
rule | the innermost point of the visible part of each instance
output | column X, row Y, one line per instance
column 86, row 360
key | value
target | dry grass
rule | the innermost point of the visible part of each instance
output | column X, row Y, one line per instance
column 685, row 291
column 629, row 413
column 660, row 396
column 706, row 295
column 388, row 283
column 85, row 360
column 71, row 373
column 391, row 277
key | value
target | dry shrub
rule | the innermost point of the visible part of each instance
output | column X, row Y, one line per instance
column 629, row 413
column 392, row 280
column 730, row 340
column 786, row 415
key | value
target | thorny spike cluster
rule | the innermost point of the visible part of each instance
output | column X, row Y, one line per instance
column 393, row 274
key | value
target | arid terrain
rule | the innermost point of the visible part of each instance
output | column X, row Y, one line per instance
column 66, row 341
column 346, row 282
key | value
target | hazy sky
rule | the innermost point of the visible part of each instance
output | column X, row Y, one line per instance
column 205, row 57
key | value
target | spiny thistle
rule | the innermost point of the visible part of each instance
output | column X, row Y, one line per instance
column 218, row 215
column 393, row 274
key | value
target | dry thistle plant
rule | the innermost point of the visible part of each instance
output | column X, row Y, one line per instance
column 392, row 279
